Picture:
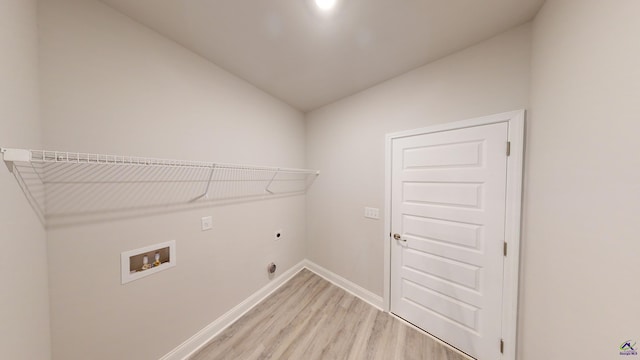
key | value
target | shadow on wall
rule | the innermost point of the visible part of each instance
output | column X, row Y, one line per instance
column 83, row 190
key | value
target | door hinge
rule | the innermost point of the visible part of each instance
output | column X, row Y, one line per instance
column 508, row 148
column 504, row 248
column 501, row 346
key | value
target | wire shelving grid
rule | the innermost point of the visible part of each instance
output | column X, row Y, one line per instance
column 66, row 184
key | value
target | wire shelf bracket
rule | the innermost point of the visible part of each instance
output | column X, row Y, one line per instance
column 67, row 187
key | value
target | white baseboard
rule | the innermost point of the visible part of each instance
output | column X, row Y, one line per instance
column 197, row 341
column 362, row 293
column 200, row 339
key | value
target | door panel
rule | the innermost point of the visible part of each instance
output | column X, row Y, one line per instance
column 443, row 155
column 453, row 271
column 448, row 206
column 442, row 231
column 441, row 305
column 437, row 193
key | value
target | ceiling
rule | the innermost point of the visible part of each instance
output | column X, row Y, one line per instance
column 309, row 58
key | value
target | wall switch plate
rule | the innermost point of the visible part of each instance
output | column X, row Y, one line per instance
column 207, row 223
column 372, row 213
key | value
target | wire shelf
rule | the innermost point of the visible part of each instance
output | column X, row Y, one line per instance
column 66, row 187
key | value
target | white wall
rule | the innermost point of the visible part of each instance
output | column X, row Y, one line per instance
column 582, row 201
column 24, row 297
column 345, row 141
column 110, row 85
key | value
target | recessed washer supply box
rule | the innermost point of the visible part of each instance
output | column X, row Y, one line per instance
column 159, row 257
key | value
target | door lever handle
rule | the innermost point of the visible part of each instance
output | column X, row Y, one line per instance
column 398, row 237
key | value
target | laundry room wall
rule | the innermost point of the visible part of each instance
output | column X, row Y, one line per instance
column 582, row 183
column 110, row 85
column 346, row 140
column 24, row 293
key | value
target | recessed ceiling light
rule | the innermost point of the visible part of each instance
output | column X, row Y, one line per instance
column 326, row 4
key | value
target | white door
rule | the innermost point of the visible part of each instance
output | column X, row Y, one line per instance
column 448, row 192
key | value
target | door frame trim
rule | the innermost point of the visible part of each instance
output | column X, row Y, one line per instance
column 513, row 214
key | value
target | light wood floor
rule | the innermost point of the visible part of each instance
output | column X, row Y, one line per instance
column 310, row 318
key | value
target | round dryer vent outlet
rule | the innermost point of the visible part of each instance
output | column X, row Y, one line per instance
column 271, row 268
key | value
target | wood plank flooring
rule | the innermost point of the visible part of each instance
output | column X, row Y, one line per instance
column 309, row 318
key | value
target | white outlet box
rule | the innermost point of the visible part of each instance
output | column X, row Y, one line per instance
column 132, row 264
column 372, row 213
column 207, row 223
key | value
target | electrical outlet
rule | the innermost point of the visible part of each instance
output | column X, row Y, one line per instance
column 207, row 223
column 372, row 213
